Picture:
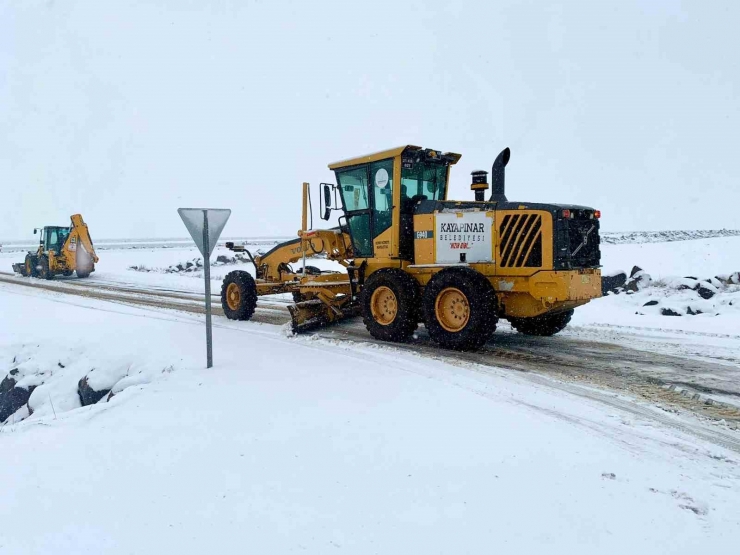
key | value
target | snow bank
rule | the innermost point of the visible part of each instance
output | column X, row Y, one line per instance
column 703, row 257
column 51, row 354
column 194, row 267
column 626, row 237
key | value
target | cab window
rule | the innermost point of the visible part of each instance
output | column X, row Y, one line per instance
column 423, row 181
column 353, row 186
column 381, row 175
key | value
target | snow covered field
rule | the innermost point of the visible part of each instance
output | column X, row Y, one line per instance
column 300, row 444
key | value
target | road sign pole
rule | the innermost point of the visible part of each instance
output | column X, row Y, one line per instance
column 205, row 226
column 207, row 267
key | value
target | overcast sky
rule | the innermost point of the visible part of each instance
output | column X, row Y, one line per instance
column 125, row 111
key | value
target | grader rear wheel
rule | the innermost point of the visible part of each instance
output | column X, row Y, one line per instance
column 460, row 310
column 238, row 295
column 452, row 309
column 390, row 305
column 545, row 325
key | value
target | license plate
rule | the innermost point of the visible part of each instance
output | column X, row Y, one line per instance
column 585, row 279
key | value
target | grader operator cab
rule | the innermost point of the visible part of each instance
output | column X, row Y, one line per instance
column 412, row 256
column 61, row 251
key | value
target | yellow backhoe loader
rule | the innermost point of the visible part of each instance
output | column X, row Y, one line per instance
column 62, row 251
column 412, row 256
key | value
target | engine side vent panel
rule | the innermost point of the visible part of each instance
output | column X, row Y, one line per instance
column 520, row 244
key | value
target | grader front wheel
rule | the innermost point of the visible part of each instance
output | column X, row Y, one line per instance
column 545, row 325
column 238, row 295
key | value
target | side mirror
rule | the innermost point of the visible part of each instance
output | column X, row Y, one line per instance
column 34, row 230
column 325, row 201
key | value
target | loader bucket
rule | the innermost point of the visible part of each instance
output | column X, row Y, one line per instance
column 83, row 262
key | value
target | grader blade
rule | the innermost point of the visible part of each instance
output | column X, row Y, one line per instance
column 308, row 315
column 312, row 314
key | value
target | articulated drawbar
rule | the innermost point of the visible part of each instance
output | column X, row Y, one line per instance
column 320, row 297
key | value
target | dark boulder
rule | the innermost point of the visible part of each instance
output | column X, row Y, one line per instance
column 611, row 284
column 12, row 397
column 669, row 312
column 8, row 382
column 89, row 396
column 638, row 280
column 651, row 303
column 706, row 291
column 714, row 282
column 688, row 283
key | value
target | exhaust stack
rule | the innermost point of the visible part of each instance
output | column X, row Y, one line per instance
column 498, row 176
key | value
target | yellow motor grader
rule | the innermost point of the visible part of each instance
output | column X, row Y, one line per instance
column 62, row 251
column 413, row 256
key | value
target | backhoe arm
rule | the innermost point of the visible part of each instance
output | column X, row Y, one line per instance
column 81, row 236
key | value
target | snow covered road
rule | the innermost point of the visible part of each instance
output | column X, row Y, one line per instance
column 702, row 379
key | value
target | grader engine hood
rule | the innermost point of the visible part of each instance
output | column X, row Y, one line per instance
column 507, row 234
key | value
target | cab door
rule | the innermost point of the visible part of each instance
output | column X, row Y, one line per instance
column 355, row 191
column 367, row 196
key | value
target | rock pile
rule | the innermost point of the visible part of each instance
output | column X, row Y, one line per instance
column 618, row 282
column 681, row 296
column 193, row 265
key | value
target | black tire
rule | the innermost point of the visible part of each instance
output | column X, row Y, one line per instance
column 68, row 273
column 545, row 325
column 480, row 313
column 45, row 271
column 243, row 295
column 405, row 301
column 30, row 266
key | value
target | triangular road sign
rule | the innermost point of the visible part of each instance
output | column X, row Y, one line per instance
column 195, row 220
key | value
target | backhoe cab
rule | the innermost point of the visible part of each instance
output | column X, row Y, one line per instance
column 413, row 256
column 61, row 251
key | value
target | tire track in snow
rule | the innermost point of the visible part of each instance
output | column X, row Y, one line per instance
column 577, row 366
